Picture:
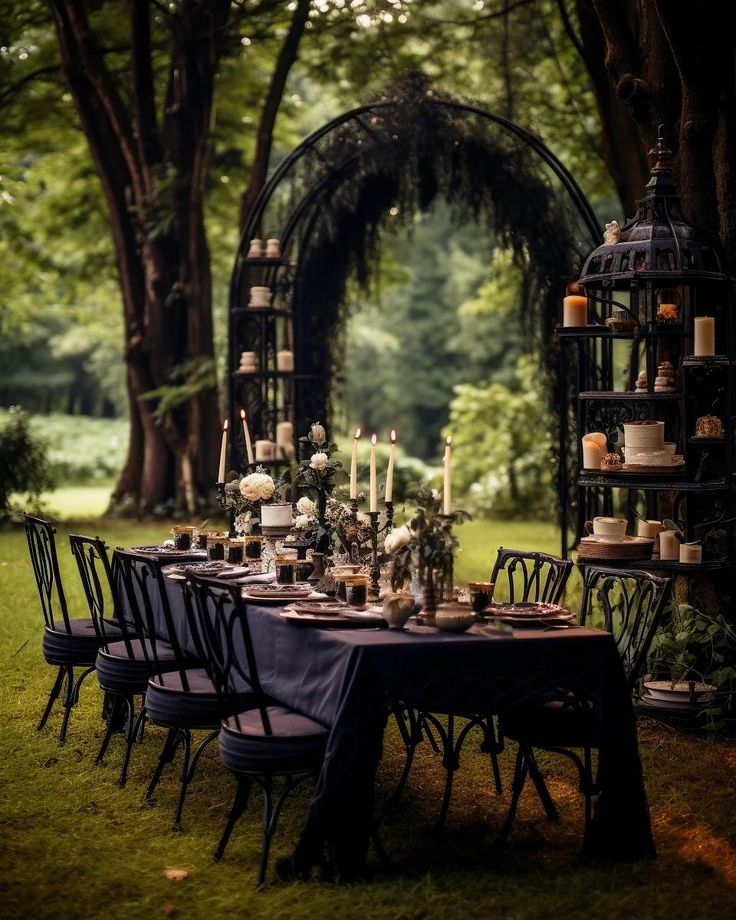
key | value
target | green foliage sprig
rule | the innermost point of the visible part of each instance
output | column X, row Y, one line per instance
column 24, row 466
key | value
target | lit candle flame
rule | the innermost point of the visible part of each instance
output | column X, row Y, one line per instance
column 242, row 414
column 225, row 425
column 393, row 436
column 374, row 439
column 449, row 440
column 357, row 434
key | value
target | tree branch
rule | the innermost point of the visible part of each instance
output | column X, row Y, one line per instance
column 264, row 138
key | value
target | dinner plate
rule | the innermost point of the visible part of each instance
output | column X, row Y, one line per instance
column 210, row 569
column 280, row 594
column 341, row 620
column 168, row 551
column 528, row 610
column 560, row 620
column 666, row 691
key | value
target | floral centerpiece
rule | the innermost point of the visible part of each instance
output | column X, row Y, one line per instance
column 315, row 479
column 243, row 497
column 424, row 549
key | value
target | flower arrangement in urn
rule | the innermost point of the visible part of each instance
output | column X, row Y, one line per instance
column 244, row 496
column 424, row 548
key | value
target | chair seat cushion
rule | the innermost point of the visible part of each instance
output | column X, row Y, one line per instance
column 198, row 706
column 125, row 667
column 552, row 724
column 297, row 743
column 77, row 646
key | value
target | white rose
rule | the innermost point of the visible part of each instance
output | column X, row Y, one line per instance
column 257, row 487
column 319, row 460
column 302, row 522
column 397, row 538
column 305, row 505
column 319, row 436
column 242, row 523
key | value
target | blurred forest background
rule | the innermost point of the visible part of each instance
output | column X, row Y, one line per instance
column 436, row 341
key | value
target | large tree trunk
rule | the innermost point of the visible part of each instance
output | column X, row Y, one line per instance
column 153, row 179
column 671, row 65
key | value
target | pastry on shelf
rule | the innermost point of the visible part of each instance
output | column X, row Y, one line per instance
column 709, row 426
column 611, row 463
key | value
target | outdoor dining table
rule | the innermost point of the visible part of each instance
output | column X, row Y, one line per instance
column 347, row 679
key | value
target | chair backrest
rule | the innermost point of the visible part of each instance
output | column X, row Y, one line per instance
column 227, row 649
column 45, row 563
column 142, row 600
column 531, row 576
column 629, row 604
column 95, row 573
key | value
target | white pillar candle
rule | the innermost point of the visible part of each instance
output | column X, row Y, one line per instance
column 246, row 436
column 273, row 248
column 575, row 310
column 446, row 490
column 373, row 501
column 669, row 545
column 592, row 454
column 285, row 438
column 390, row 471
column 264, row 450
column 285, row 361
column 691, row 553
column 223, row 453
column 354, row 465
column 705, row 336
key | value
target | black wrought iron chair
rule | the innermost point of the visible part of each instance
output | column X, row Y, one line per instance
column 530, row 576
column 627, row 603
column 125, row 664
column 185, row 700
column 265, row 742
column 68, row 643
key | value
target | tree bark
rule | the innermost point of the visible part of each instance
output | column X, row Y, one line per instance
column 670, row 64
column 153, row 180
column 264, row 137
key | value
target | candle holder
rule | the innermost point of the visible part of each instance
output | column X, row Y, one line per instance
column 376, row 529
column 220, row 487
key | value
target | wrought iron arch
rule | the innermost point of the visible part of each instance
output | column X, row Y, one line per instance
column 306, row 202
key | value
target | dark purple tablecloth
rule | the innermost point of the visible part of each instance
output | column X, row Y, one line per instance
column 346, row 679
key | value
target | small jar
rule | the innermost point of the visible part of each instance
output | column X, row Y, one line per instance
column 255, row 251
column 285, row 570
column 199, row 539
column 356, row 590
column 182, row 536
column 691, row 553
column 234, row 552
column 304, row 568
column 253, row 548
column 216, row 547
column 340, row 582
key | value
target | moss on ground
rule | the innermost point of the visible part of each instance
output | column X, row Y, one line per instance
column 74, row 845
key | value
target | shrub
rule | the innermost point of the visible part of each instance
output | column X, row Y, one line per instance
column 24, row 465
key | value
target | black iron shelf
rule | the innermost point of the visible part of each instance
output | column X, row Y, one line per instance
column 261, row 311
column 664, row 565
column 262, row 260
column 706, row 442
column 626, row 395
column 673, row 484
column 277, row 375
column 595, row 331
column 705, row 361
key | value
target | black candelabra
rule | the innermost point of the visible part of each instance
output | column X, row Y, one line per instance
column 376, row 528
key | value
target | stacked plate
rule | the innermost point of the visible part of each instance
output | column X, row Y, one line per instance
column 275, row 594
column 210, row 569
column 627, row 548
column 530, row 614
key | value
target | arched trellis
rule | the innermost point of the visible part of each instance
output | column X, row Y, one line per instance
column 325, row 200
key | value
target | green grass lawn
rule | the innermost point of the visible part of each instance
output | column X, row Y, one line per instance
column 74, row 845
